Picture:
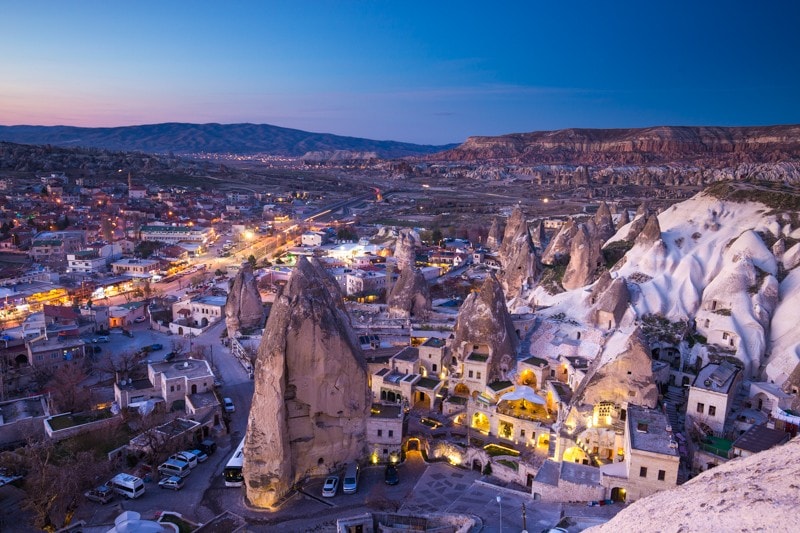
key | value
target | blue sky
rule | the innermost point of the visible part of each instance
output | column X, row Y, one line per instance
column 426, row 72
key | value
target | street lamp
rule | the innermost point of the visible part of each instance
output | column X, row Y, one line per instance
column 500, row 503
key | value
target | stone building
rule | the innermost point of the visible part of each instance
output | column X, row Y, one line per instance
column 711, row 396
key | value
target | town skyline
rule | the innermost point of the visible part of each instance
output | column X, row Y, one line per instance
column 429, row 75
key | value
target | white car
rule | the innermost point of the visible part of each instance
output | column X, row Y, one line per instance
column 228, row 403
column 330, row 486
column 172, row 482
column 189, row 457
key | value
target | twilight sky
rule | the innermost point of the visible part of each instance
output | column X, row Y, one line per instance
column 426, row 72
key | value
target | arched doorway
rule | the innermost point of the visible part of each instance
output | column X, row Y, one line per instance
column 618, row 494
column 204, row 322
column 412, row 445
column 480, row 422
column 477, row 465
column 194, row 388
column 422, row 400
column 461, row 390
column 180, row 331
column 527, row 377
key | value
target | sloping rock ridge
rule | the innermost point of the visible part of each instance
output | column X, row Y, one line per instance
column 756, row 493
column 658, row 145
column 311, row 398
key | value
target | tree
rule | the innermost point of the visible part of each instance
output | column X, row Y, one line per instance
column 67, row 392
column 54, row 479
column 252, row 261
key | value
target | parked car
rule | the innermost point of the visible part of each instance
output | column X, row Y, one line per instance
column 102, row 494
column 171, row 482
column 189, row 457
column 170, row 356
column 139, row 319
column 330, row 487
column 155, row 347
column 201, row 455
column 390, row 475
column 101, row 338
column 127, row 333
column 97, row 349
column 228, row 403
column 208, row 446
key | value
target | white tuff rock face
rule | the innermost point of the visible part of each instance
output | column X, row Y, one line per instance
column 311, row 399
column 756, row 493
column 243, row 308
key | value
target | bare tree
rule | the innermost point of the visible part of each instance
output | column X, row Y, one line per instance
column 53, row 481
column 67, row 392
column 121, row 365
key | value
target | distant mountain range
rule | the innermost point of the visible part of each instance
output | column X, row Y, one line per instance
column 181, row 138
column 712, row 146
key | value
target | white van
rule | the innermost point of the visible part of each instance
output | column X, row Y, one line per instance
column 174, row 467
column 127, row 485
column 350, row 482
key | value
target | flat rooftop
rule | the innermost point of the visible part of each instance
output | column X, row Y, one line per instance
column 434, row 342
column 380, row 410
column 408, row 353
column 189, row 368
column 648, row 431
column 716, row 377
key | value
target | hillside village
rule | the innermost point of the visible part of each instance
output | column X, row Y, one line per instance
column 601, row 357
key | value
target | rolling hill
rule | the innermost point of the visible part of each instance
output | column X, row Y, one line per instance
column 181, row 138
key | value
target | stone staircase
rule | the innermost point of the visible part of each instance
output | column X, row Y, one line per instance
column 674, row 401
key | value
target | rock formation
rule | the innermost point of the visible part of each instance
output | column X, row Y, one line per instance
column 624, row 219
column 651, row 232
column 495, row 237
column 636, row 227
column 520, row 264
column 716, row 146
column 559, row 246
column 604, row 225
column 484, row 321
column 756, row 493
column 515, row 226
column 626, row 378
column 311, row 398
column 609, row 301
column 538, row 235
column 410, row 296
column 405, row 250
column 243, row 308
column 585, row 259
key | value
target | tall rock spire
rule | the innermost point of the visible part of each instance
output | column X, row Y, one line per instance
column 311, row 398
column 484, row 321
column 243, row 308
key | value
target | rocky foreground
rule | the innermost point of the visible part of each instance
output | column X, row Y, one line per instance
column 756, row 493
